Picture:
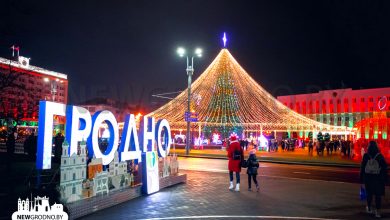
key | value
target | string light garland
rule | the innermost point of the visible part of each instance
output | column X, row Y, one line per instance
column 227, row 99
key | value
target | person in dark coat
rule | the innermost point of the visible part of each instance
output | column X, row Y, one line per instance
column 58, row 140
column 336, row 145
column 331, row 143
column 343, row 148
column 30, row 145
column 235, row 155
column 10, row 144
column 373, row 177
column 348, row 148
column 252, row 166
column 311, row 145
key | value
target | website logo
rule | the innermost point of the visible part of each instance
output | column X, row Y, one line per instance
column 39, row 209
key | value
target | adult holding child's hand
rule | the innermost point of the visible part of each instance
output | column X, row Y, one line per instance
column 235, row 155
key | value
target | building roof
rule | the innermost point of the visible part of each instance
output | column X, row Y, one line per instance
column 32, row 68
column 338, row 91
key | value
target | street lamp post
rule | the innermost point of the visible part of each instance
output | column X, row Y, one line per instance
column 190, row 72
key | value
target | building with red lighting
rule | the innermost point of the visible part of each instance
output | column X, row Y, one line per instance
column 29, row 84
column 346, row 107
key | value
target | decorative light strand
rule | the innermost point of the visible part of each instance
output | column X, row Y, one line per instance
column 231, row 98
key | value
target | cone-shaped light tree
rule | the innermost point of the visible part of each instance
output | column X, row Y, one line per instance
column 227, row 100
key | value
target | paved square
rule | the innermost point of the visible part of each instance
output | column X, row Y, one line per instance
column 207, row 194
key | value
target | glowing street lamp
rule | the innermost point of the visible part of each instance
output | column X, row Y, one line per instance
column 190, row 70
column 181, row 51
column 198, row 52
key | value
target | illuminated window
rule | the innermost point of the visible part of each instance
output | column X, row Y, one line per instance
column 323, row 107
column 331, row 108
column 346, row 106
column 362, row 99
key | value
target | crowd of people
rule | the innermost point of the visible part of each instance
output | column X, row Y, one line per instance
column 345, row 148
column 30, row 142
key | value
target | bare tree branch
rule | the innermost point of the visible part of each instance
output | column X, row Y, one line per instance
column 9, row 79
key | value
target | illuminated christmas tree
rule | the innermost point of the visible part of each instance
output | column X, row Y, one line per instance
column 223, row 107
column 227, row 100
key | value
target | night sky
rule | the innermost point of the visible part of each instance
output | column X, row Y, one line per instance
column 126, row 50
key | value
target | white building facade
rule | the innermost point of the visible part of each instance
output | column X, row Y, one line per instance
column 73, row 172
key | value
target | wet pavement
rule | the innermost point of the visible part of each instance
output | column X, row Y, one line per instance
column 299, row 156
column 336, row 174
column 206, row 196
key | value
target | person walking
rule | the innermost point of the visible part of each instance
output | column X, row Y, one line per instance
column 348, row 148
column 235, row 156
column 246, row 143
column 252, row 166
column 311, row 145
column 327, row 148
column 331, row 143
column 335, row 145
column 373, row 174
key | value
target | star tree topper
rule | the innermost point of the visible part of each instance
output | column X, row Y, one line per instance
column 224, row 39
